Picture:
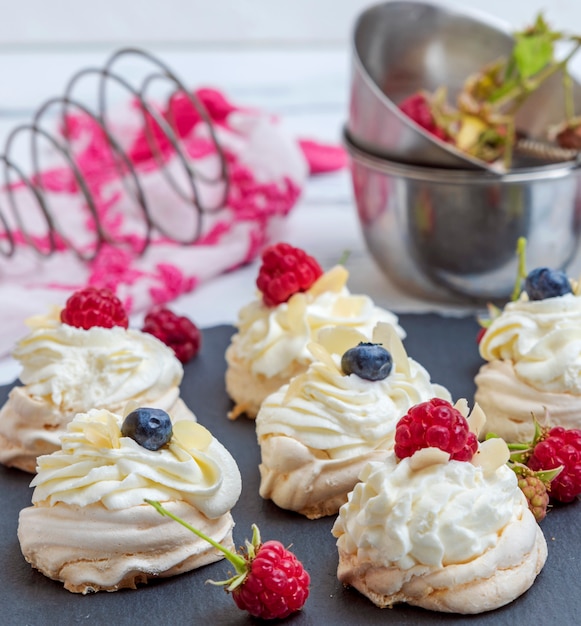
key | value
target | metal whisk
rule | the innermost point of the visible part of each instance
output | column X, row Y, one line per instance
column 13, row 211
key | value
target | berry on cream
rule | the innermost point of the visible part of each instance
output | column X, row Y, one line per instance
column 446, row 535
column 68, row 370
column 270, row 345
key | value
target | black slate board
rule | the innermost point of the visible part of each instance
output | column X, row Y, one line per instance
column 447, row 348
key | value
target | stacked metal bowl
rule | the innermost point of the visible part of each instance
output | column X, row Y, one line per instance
column 440, row 224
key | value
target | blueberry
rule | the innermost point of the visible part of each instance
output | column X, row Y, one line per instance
column 367, row 360
column 542, row 283
column 151, row 428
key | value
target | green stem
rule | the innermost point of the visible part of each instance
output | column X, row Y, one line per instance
column 521, row 274
column 548, row 475
column 519, row 446
column 510, row 136
column 237, row 561
column 545, row 475
column 521, row 91
column 344, row 257
column 569, row 100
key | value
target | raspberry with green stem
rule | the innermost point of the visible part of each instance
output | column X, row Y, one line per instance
column 270, row 582
column 555, row 449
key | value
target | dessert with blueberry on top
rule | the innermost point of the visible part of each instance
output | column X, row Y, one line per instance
column 318, row 432
column 532, row 349
column 89, row 526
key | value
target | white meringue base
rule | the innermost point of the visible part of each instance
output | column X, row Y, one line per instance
column 249, row 390
column 509, row 404
column 93, row 549
column 298, row 478
column 490, row 581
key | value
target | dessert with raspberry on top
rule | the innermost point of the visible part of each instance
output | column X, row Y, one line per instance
column 80, row 357
column 533, row 353
column 89, row 526
column 296, row 299
column 318, row 432
column 441, row 524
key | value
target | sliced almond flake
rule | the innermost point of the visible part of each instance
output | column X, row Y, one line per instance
column 180, row 453
column 293, row 389
column 428, row 456
column 52, row 319
column 461, row 405
column 382, row 333
column 339, row 339
column 191, row 435
column 97, row 434
column 386, row 335
column 321, row 354
column 476, row 419
column 349, row 306
column 296, row 310
column 491, row 454
column 130, row 406
column 334, row 280
column 114, row 430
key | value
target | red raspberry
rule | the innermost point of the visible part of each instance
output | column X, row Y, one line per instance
column 177, row 332
column 418, row 109
column 285, row 270
column 276, row 584
column 435, row 424
column 90, row 307
column 270, row 582
column 560, row 446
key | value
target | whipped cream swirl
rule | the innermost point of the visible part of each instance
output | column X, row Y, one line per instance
column 98, row 464
column 345, row 416
column 75, row 369
column 542, row 339
column 270, row 339
column 446, row 513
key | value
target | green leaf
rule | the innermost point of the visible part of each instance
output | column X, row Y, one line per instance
column 532, row 53
column 503, row 90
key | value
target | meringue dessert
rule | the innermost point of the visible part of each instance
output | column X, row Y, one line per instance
column 89, row 526
column 533, row 354
column 318, row 432
column 447, row 535
column 270, row 345
column 68, row 370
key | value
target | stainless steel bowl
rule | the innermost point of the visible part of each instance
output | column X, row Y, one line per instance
column 401, row 47
column 450, row 235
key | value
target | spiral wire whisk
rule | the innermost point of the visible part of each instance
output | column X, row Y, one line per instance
column 131, row 175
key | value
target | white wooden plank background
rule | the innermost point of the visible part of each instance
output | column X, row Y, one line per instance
column 60, row 22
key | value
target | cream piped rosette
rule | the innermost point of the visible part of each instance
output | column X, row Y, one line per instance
column 318, row 432
column 533, row 349
column 270, row 345
column 445, row 535
column 67, row 370
column 89, row 526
